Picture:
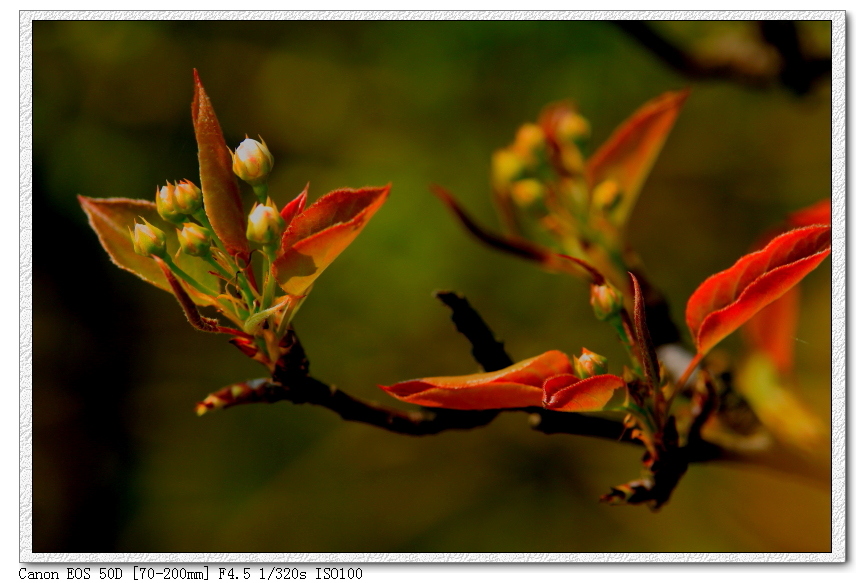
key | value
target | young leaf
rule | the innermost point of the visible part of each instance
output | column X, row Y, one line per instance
column 519, row 385
column 730, row 298
column 218, row 184
column 112, row 218
column 648, row 356
column 628, row 155
column 567, row 392
column 320, row 233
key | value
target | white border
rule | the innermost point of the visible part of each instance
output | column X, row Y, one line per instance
column 839, row 170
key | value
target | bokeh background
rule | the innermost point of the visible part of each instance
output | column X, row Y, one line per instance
column 121, row 463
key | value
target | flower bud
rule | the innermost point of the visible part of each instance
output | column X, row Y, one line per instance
column 166, row 204
column 507, row 167
column 187, row 197
column 529, row 140
column 194, row 240
column 526, row 191
column 590, row 364
column 252, row 162
column 147, row 240
column 572, row 126
column 606, row 301
column 606, row 195
column 265, row 224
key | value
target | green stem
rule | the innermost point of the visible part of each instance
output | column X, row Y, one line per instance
column 201, row 217
column 617, row 323
column 187, row 278
column 260, row 191
column 221, row 270
column 269, row 279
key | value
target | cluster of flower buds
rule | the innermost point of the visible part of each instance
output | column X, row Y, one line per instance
column 175, row 202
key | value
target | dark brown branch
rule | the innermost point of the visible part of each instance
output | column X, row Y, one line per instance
column 486, row 349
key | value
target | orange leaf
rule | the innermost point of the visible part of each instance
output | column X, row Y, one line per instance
column 730, row 298
column 570, row 393
column 320, row 233
column 629, row 154
column 112, row 218
column 218, row 184
column 519, row 385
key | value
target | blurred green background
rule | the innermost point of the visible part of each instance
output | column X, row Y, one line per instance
column 121, row 463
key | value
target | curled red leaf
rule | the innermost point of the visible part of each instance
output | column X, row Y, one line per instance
column 570, row 393
column 295, row 207
column 730, row 298
column 319, row 234
column 516, row 386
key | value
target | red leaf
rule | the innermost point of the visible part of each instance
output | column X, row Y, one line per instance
column 730, row 298
column 295, row 207
column 320, row 233
column 112, row 218
column 218, row 184
column 772, row 330
column 819, row 213
column 629, row 154
column 570, row 393
column 516, row 386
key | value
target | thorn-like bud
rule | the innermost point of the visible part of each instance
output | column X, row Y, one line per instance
column 590, row 364
column 148, row 240
column 265, row 224
column 166, row 204
column 252, row 161
column 187, row 197
column 194, row 240
column 606, row 301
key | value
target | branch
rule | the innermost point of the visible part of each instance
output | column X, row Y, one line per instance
column 486, row 349
column 796, row 71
